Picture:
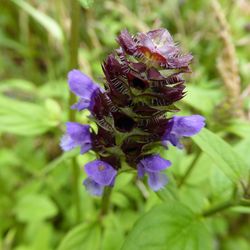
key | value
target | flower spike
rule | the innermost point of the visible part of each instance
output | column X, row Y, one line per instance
column 143, row 81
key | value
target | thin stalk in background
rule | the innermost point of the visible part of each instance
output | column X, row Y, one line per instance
column 189, row 169
column 73, row 64
column 225, row 205
column 105, row 201
column 227, row 63
column 219, row 208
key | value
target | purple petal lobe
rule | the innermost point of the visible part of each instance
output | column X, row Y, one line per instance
column 141, row 170
column 160, row 37
column 81, row 104
column 180, row 126
column 77, row 135
column 146, row 41
column 67, row 143
column 77, row 131
column 80, row 84
column 93, row 187
column 154, row 163
column 174, row 139
column 101, row 172
column 187, row 125
column 157, row 180
column 85, row 147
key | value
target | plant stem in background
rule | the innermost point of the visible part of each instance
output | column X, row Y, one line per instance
column 105, row 201
column 226, row 205
column 73, row 49
column 228, row 64
column 219, row 208
column 189, row 169
column 73, row 63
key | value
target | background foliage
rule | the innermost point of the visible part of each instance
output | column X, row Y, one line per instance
column 206, row 203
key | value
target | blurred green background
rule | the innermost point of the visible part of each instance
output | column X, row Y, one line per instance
column 37, row 208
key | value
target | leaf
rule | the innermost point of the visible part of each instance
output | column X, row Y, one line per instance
column 233, row 243
column 56, row 162
column 224, row 156
column 202, row 99
column 42, row 238
column 86, row 3
column 242, row 148
column 169, row 227
column 7, row 42
column 85, row 236
column 35, row 207
column 240, row 128
column 26, row 118
column 47, row 22
column 14, row 84
column 112, row 238
column 169, row 193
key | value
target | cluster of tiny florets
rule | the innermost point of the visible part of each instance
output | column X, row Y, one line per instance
column 143, row 81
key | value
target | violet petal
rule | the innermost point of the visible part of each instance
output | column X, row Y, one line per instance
column 77, row 135
column 80, row 84
column 188, row 125
column 67, row 143
column 101, row 172
column 93, row 187
column 141, row 170
column 157, row 180
column 154, row 163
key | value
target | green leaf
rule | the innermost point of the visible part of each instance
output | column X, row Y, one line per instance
column 47, row 22
column 19, row 85
column 56, row 162
column 240, row 128
column 169, row 193
column 42, row 238
column 35, row 207
column 233, row 243
column 85, row 236
column 112, row 238
column 224, row 156
column 26, row 118
column 242, row 148
column 169, row 227
column 86, row 3
column 202, row 99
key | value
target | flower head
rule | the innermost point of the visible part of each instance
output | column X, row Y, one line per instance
column 77, row 135
column 183, row 126
column 143, row 81
column 152, row 166
column 82, row 86
column 156, row 47
column 100, row 174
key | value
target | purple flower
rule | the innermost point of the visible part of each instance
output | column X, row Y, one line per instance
column 100, row 174
column 152, row 166
column 82, row 86
column 182, row 126
column 143, row 80
column 77, row 135
column 157, row 46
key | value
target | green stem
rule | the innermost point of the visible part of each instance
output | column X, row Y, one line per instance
column 75, row 187
column 105, row 201
column 219, row 208
column 189, row 169
column 226, row 205
column 73, row 63
column 244, row 202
